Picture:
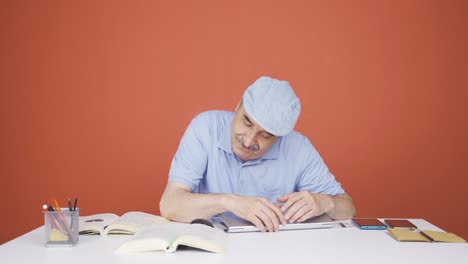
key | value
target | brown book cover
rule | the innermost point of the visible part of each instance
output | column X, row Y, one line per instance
column 394, row 223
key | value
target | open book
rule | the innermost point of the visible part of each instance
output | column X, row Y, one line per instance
column 168, row 236
column 127, row 224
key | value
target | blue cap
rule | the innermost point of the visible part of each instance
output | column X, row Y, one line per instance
column 273, row 105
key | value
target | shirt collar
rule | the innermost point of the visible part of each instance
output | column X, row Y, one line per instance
column 224, row 141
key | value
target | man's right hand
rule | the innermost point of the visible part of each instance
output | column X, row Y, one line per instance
column 265, row 215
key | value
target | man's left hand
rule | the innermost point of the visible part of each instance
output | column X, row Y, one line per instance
column 302, row 205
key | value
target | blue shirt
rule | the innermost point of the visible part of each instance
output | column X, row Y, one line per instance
column 205, row 163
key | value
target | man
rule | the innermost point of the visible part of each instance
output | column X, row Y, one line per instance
column 253, row 164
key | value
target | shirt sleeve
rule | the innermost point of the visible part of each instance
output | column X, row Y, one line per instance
column 190, row 160
column 316, row 176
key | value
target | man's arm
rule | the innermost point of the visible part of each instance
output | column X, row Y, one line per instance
column 299, row 206
column 343, row 207
column 179, row 203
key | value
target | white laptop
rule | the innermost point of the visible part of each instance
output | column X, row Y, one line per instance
column 234, row 224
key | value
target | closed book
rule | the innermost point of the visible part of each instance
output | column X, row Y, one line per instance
column 397, row 223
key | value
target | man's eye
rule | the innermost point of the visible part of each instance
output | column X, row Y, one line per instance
column 248, row 124
column 266, row 136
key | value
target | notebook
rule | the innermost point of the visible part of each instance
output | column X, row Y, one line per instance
column 234, row 224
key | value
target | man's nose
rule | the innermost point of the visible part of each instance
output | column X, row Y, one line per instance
column 249, row 139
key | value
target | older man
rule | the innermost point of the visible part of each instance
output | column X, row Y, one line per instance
column 251, row 162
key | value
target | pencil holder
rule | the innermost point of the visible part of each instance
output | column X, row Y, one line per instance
column 61, row 227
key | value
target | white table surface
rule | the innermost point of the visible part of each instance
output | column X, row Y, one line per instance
column 337, row 245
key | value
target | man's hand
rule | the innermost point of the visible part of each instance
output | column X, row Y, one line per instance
column 300, row 206
column 178, row 203
column 265, row 215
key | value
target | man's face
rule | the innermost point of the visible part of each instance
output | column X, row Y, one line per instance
column 249, row 141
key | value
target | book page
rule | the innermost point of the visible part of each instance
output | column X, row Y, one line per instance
column 131, row 222
column 95, row 224
column 154, row 238
column 198, row 236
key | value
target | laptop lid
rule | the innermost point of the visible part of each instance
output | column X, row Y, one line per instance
column 234, row 224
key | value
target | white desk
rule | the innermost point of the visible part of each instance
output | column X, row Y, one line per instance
column 338, row 245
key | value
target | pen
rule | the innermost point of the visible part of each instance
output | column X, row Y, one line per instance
column 74, row 204
column 69, row 205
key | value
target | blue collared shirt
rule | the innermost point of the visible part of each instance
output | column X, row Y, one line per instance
column 205, row 163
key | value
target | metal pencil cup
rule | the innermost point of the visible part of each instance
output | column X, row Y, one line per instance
column 61, row 227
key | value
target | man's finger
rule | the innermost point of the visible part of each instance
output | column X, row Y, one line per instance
column 292, row 211
column 296, row 203
column 278, row 214
column 293, row 197
column 306, row 208
column 308, row 215
column 274, row 214
column 266, row 220
column 283, row 198
column 258, row 223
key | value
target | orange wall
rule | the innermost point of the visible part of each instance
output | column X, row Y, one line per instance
column 95, row 96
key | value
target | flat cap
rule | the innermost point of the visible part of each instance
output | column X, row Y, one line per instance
column 273, row 105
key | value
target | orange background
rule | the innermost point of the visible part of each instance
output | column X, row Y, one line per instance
column 95, row 96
